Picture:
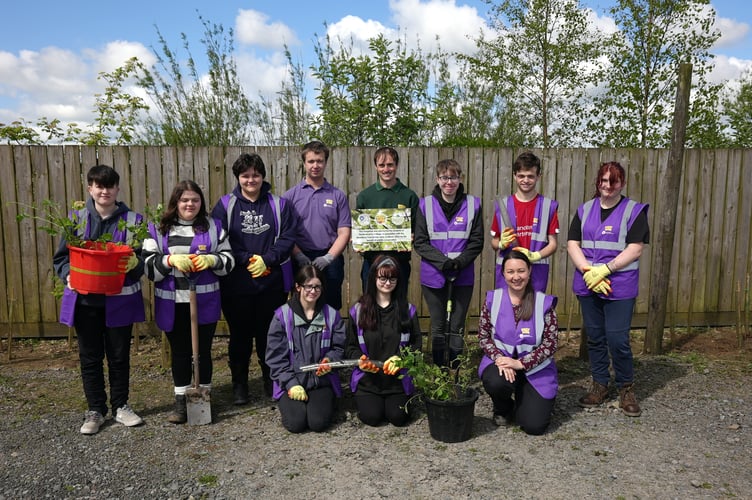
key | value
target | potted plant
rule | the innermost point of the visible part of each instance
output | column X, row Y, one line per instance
column 446, row 393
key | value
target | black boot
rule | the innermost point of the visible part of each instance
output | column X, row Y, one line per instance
column 239, row 384
column 180, row 414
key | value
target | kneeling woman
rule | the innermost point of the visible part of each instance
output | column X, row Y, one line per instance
column 305, row 331
column 518, row 332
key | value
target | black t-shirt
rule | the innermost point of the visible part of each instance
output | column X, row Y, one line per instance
column 638, row 233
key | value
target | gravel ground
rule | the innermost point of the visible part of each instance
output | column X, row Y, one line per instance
column 693, row 440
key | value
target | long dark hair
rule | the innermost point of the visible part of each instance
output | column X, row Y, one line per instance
column 527, row 304
column 305, row 273
column 382, row 265
column 170, row 216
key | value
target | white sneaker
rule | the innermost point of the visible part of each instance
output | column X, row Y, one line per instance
column 126, row 416
column 93, row 420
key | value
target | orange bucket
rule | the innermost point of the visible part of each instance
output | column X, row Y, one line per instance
column 94, row 268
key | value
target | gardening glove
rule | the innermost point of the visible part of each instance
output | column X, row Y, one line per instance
column 128, row 262
column 391, row 365
column 450, row 265
column 323, row 367
column 323, row 261
column 181, row 262
column 301, row 259
column 367, row 365
column 256, row 266
column 297, row 393
column 507, row 237
column 204, row 261
column 602, row 287
column 596, row 274
column 531, row 256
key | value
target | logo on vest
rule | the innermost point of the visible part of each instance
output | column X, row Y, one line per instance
column 608, row 230
column 201, row 248
column 329, row 202
column 459, row 221
column 524, row 332
column 253, row 223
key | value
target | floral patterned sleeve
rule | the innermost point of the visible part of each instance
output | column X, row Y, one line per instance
column 485, row 334
column 549, row 344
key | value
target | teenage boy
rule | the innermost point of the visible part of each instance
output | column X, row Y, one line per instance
column 526, row 221
column 324, row 222
column 388, row 192
column 104, row 323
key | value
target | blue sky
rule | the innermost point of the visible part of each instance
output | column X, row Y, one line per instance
column 51, row 52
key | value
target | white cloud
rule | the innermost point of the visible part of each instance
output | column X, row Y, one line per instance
column 261, row 75
column 252, row 28
column 726, row 68
column 732, row 32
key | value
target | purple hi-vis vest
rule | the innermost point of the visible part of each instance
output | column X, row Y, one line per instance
column 602, row 241
column 207, row 283
column 449, row 237
column 285, row 314
column 515, row 341
column 544, row 212
column 123, row 309
column 357, row 373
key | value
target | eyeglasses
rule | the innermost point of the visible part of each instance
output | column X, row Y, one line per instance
column 449, row 178
column 312, row 288
column 384, row 279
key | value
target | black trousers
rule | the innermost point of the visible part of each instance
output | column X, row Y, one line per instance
column 182, row 351
column 374, row 409
column 314, row 414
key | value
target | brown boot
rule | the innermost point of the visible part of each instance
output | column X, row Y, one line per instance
column 595, row 396
column 180, row 414
column 628, row 401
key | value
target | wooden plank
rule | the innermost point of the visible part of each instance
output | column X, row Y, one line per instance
column 153, row 171
column 74, row 176
column 728, row 206
column 743, row 232
column 486, row 262
column 217, row 171
column 715, row 250
column 413, row 167
column 201, row 173
column 89, row 158
column 44, row 170
column 27, row 242
column 169, row 173
column 473, row 173
column 185, row 164
column 121, row 164
column 137, row 173
column 10, row 272
column 652, row 160
column 56, row 165
column 556, row 180
column 703, row 240
column 685, row 235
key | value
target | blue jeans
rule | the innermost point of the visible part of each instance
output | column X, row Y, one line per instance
column 607, row 324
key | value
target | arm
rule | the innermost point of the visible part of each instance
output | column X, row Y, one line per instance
column 339, row 245
column 422, row 243
column 416, row 337
column 352, row 347
column 549, row 343
column 281, row 249
column 474, row 242
column 155, row 265
column 224, row 254
column 485, row 334
column 278, row 355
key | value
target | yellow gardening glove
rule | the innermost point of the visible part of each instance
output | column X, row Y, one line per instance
column 596, row 274
column 367, row 365
column 181, row 262
column 391, row 365
column 204, row 261
column 128, row 262
column 297, row 393
column 602, row 287
column 256, row 266
column 531, row 256
column 323, row 368
column 507, row 237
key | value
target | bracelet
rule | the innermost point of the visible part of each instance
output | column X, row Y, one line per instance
column 609, row 268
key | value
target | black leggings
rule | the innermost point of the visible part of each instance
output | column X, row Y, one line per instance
column 373, row 409
column 315, row 414
column 182, row 352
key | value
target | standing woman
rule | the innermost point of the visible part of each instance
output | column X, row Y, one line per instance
column 187, row 245
column 605, row 241
column 262, row 233
column 305, row 331
column 448, row 238
column 518, row 332
column 381, row 323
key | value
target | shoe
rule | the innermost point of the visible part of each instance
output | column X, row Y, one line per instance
column 595, row 396
column 268, row 387
column 240, row 394
column 628, row 401
column 180, row 414
column 93, row 420
column 126, row 416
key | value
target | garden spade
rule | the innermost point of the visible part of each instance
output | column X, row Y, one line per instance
column 198, row 400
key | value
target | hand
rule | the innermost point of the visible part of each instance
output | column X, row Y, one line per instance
column 450, row 265
column 596, row 274
column 391, row 365
column 602, row 287
column 507, row 237
column 531, row 256
column 301, row 259
column 204, row 261
column 323, row 261
column 181, row 262
column 297, row 393
column 323, row 367
column 367, row 365
column 128, row 262
column 256, row 266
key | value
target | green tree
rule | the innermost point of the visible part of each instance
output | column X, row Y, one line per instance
column 193, row 110
column 737, row 108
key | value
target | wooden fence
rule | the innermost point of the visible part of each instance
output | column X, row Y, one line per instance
column 709, row 271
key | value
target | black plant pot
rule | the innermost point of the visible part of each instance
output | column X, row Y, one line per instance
column 451, row 421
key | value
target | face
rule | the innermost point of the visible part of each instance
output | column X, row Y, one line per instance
column 609, row 187
column 516, row 274
column 314, row 164
column 386, row 282
column 250, row 183
column 526, row 180
column 310, row 291
column 386, row 169
column 189, row 204
column 103, row 196
column 449, row 182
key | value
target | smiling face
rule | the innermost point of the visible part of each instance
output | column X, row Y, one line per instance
column 250, row 184
column 516, row 274
column 309, row 291
column 386, row 280
column 104, row 197
column 609, row 188
column 315, row 163
column 189, row 205
column 526, row 180
column 386, row 170
column 449, row 182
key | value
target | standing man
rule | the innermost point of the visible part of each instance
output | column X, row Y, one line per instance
column 324, row 222
column 526, row 221
column 388, row 192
